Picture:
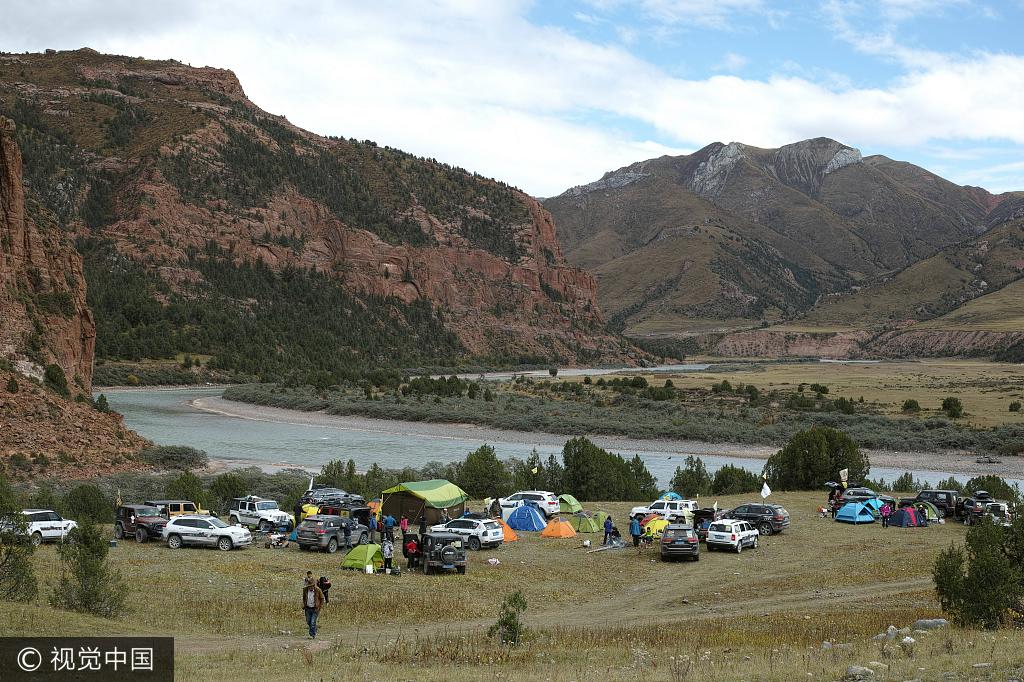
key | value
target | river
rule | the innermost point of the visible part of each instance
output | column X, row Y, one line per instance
column 236, row 435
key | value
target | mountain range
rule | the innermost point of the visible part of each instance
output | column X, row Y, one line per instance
column 811, row 235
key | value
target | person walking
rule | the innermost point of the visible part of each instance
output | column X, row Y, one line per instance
column 634, row 531
column 325, row 586
column 607, row 529
column 312, row 602
column 373, row 528
column 388, row 551
column 885, row 512
column 404, row 525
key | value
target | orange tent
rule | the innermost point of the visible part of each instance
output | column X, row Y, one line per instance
column 557, row 528
column 510, row 535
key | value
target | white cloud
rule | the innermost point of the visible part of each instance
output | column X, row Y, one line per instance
column 732, row 62
column 478, row 85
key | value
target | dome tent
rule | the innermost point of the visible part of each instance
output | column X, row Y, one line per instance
column 526, row 517
column 855, row 512
column 558, row 528
column 362, row 555
column 582, row 523
column 569, row 504
column 510, row 535
column 670, row 495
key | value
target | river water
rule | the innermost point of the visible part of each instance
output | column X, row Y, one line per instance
column 277, row 439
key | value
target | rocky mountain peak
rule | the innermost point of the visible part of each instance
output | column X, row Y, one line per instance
column 804, row 165
column 711, row 174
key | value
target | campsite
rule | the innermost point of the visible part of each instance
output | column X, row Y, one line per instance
column 618, row 614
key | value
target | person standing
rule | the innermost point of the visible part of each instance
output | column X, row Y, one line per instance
column 423, row 524
column 298, row 513
column 444, row 516
column 404, row 525
column 634, row 531
column 325, row 586
column 885, row 512
column 607, row 529
column 312, row 602
column 373, row 528
column 388, row 551
column 389, row 527
column 348, row 533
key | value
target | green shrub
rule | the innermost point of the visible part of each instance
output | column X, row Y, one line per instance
column 815, row 456
column 509, row 629
column 996, row 486
column 953, row 408
column 692, row 479
column 87, row 504
column 55, row 379
column 17, row 573
column 482, row 474
column 733, row 480
column 1015, row 406
column 101, row 404
column 911, row 406
column 88, row 584
column 12, row 385
column 187, row 486
column 981, row 584
column 174, row 457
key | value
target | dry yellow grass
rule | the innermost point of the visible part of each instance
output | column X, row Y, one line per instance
column 611, row 615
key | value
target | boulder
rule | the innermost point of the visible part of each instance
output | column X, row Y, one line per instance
column 930, row 623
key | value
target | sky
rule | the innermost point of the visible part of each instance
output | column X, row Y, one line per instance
column 547, row 95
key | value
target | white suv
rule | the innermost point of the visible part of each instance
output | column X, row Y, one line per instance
column 731, row 534
column 546, row 501
column 196, row 529
column 256, row 511
column 480, row 533
column 45, row 525
column 672, row 510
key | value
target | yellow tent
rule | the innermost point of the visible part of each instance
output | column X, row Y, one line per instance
column 557, row 528
column 309, row 510
column 655, row 527
column 510, row 535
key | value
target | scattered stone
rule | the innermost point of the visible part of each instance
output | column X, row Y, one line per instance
column 930, row 623
column 890, row 632
column 858, row 672
column 878, row 665
column 981, row 666
column 918, row 633
column 285, row 646
column 880, row 637
column 904, row 631
column 825, row 646
column 844, row 645
column 908, row 641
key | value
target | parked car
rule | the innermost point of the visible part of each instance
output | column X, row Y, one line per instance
column 139, row 521
column 348, row 510
column 944, row 500
column 46, row 525
column 731, row 534
column 333, row 496
column 204, row 530
column 442, row 552
column 546, row 501
column 973, row 506
column 327, row 532
column 767, row 518
column 670, row 509
column 678, row 540
column 172, row 508
column 260, row 513
column 998, row 513
column 478, row 533
column 853, row 495
column 703, row 518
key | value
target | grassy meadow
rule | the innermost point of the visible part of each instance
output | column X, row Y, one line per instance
column 614, row 615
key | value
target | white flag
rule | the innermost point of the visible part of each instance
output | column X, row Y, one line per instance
column 844, row 474
column 765, row 490
column 715, row 505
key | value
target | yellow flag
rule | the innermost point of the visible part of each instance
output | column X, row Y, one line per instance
column 534, row 470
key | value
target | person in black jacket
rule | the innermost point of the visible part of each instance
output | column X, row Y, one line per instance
column 325, row 586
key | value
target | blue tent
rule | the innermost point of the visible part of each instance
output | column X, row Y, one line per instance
column 526, row 517
column 670, row 495
column 874, row 505
column 855, row 512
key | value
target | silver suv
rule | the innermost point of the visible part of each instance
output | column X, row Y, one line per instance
column 195, row 529
column 546, row 501
column 478, row 532
column 258, row 512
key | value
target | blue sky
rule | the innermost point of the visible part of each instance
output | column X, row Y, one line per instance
column 547, row 95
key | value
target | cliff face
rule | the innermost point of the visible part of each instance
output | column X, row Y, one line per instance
column 172, row 160
column 42, row 288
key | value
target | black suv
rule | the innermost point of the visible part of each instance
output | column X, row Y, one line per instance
column 678, row 540
column 945, row 501
column 141, row 521
column 973, row 507
column 767, row 518
column 853, row 495
column 442, row 552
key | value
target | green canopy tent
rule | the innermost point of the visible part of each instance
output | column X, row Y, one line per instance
column 569, row 504
column 582, row 523
column 362, row 555
column 426, row 498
